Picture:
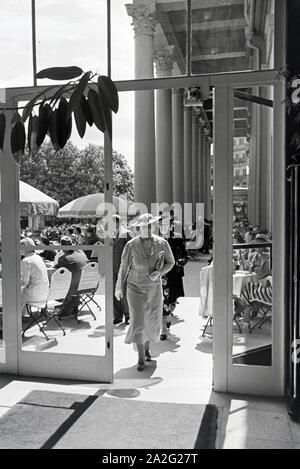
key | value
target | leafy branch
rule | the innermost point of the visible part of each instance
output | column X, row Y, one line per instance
column 89, row 104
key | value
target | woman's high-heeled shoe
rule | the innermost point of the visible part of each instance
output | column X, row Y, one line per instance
column 148, row 356
column 141, row 365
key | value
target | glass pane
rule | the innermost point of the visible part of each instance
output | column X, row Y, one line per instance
column 232, row 36
column 252, row 226
column 16, row 50
column 74, row 28
column 164, row 128
column 2, row 336
column 148, row 41
column 66, row 320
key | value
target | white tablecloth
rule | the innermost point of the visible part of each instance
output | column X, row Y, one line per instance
column 239, row 279
column 206, row 291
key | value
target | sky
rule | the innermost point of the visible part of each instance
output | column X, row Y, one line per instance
column 71, row 32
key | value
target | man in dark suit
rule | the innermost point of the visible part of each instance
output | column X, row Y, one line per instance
column 121, row 237
column 73, row 260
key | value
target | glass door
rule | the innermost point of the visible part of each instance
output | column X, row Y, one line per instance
column 249, row 238
column 74, row 342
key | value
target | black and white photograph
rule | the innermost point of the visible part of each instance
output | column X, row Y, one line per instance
column 149, row 227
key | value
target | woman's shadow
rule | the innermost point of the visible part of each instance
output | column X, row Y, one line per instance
column 164, row 346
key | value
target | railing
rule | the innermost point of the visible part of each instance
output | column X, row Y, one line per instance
column 253, row 246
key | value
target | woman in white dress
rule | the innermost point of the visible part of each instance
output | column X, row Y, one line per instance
column 145, row 259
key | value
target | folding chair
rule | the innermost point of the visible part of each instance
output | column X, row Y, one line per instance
column 209, row 322
column 59, row 287
column 87, row 287
column 193, row 247
column 238, row 310
column 264, row 309
column 261, row 302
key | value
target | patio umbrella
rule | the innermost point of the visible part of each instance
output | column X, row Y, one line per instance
column 34, row 202
column 90, row 206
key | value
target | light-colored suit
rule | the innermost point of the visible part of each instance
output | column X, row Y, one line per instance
column 144, row 296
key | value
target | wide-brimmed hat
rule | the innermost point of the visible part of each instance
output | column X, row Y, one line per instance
column 145, row 219
column 27, row 242
column 65, row 241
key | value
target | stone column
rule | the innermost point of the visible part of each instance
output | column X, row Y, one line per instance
column 178, row 146
column 201, row 165
column 187, row 141
column 164, row 65
column 195, row 165
column 254, row 168
column 207, row 199
column 144, row 23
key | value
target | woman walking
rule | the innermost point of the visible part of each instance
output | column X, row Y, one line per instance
column 145, row 259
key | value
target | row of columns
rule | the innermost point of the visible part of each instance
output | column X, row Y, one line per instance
column 172, row 150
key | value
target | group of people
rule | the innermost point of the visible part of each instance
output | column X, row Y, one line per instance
column 255, row 257
column 34, row 275
column 148, row 272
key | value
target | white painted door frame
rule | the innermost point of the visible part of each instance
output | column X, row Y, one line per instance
column 240, row 378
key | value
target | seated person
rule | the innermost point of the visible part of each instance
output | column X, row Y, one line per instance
column 259, row 259
column 74, row 260
column 80, row 238
column 34, row 277
column 90, row 239
column 71, row 235
column 46, row 254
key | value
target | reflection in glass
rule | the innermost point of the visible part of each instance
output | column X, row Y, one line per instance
column 252, row 226
column 232, row 36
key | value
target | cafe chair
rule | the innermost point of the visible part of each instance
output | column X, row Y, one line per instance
column 261, row 303
column 238, row 309
column 209, row 323
column 264, row 313
column 193, row 247
column 41, row 314
column 87, row 287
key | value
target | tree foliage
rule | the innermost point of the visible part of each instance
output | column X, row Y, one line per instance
column 90, row 101
column 71, row 173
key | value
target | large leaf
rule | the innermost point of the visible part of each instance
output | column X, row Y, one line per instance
column 2, row 129
column 86, row 110
column 60, row 73
column 32, row 134
column 59, row 93
column 30, row 105
column 15, row 118
column 109, row 93
column 17, row 141
column 62, row 123
column 80, row 121
column 78, row 92
column 96, row 106
column 44, row 114
column 52, row 128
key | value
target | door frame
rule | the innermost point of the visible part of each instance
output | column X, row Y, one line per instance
column 39, row 363
column 10, row 207
column 240, row 378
